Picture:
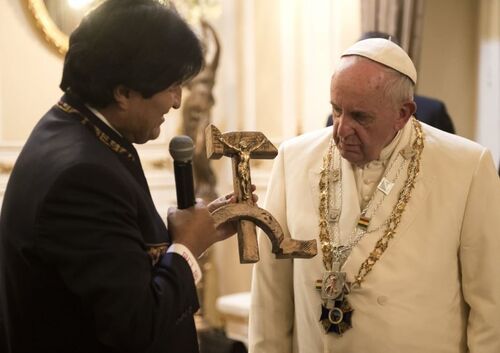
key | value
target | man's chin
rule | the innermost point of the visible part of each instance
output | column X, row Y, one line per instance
column 352, row 156
column 154, row 134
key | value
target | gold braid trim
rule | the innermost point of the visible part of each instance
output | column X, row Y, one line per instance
column 324, row 208
column 156, row 251
column 101, row 135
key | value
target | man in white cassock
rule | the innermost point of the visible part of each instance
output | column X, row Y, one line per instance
column 407, row 218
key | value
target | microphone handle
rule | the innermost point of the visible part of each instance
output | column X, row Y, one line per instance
column 184, row 185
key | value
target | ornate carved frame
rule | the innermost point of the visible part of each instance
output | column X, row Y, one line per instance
column 49, row 29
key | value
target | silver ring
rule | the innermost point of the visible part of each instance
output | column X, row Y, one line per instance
column 339, row 313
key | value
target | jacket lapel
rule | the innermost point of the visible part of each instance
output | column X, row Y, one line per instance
column 349, row 215
column 315, row 167
column 363, row 249
column 350, row 202
column 378, row 222
column 107, row 136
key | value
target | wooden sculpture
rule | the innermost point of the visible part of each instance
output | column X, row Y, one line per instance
column 197, row 111
column 242, row 146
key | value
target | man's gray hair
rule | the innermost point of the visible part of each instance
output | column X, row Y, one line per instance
column 399, row 87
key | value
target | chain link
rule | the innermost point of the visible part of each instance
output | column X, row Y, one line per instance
column 332, row 253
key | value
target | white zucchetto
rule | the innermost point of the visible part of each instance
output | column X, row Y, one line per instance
column 385, row 52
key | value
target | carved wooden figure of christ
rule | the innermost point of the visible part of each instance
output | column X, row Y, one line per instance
column 241, row 146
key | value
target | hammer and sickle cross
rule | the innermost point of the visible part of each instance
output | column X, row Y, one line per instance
column 241, row 146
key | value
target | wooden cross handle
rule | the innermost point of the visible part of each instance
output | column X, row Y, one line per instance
column 216, row 148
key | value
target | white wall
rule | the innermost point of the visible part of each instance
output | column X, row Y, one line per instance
column 488, row 123
column 448, row 61
column 29, row 73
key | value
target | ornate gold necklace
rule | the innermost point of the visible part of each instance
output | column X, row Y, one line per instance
column 336, row 312
column 101, row 135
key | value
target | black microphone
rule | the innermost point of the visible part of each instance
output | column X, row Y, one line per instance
column 181, row 149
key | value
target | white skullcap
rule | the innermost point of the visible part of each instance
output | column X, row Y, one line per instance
column 385, row 52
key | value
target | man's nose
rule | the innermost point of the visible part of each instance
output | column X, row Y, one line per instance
column 344, row 127
column 177, row 97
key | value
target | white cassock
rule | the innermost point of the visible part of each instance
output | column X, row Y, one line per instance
column 436, row 289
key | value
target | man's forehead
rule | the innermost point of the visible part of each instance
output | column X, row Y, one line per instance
column 359, row 68
column 353, row 60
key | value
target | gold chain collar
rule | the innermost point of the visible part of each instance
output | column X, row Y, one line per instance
column 101, row 135
column 393, row 221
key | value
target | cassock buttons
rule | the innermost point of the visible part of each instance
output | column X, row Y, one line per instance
column 382, row 300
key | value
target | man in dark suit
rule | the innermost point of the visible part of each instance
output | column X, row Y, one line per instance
column 429, row 110
column 87, row 264
column 433, row 112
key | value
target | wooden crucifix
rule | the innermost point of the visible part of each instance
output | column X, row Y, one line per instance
column 241, row 146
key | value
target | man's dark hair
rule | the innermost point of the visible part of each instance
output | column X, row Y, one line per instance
column 141, row 44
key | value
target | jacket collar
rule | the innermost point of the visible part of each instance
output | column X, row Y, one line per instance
column 125, row 151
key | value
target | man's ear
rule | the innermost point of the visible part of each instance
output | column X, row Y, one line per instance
column 122, row 96
column 405, row 112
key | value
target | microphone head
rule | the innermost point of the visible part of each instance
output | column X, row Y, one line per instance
column 181, row 148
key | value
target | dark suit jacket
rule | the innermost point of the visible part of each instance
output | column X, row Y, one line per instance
column 431, row 111
column 78, row 237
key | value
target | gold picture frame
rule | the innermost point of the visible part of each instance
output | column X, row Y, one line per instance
column 51, row 32
column 59, row 40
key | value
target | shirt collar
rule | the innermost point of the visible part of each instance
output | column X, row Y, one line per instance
column 385, row 154
column 387, row 151
column 102, row 118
